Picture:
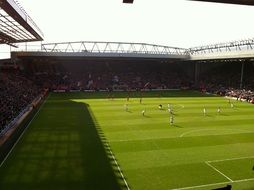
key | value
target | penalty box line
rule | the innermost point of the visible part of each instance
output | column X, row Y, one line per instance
column 230, row 159
column 209, row 163
column 214, row 168
column 213, row 184
column 220, row 183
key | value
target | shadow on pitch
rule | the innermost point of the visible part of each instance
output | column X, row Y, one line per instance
column 178, row 126
column 222, row 114
column 208, row 115
column 107, row 167
column 98, row 164
column 63, row 152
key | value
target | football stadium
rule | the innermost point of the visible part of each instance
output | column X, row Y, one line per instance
column 108, row 115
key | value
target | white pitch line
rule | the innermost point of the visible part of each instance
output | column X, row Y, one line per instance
column 243, row 180
column 199, row 186
column 192, row 131
column 24, row 131
column 239, row 158
column 118, row 167
column 213, row 184
column 144, row 139
column 219, row 171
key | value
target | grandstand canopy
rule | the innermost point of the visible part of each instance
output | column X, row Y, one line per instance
column 241, row 2
column 15, row 24
column 128, row 1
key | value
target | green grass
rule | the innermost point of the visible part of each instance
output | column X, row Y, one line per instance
column 66, row 145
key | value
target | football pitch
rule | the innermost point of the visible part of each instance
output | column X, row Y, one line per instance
column 87, row 141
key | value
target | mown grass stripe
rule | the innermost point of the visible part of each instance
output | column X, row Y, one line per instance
column 35, row 115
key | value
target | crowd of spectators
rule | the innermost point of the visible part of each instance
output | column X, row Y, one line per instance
column 19, row 88
column 241, row 94
column 16, row 93
column 225, row 80
column 112, row 76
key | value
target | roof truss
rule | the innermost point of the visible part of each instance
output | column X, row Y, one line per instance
column 15, row 24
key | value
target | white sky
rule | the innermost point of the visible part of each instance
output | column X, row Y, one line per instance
column 177, row 23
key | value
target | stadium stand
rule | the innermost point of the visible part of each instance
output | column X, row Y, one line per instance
column 16, row 93
column 103, row 76
column 240, row 2
column 224, row 80
column 20, row 87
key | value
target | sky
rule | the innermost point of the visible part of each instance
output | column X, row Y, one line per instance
column 177, row 23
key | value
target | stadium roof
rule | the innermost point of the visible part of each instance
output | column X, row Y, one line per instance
column 240, row 2
column 15, row 24
column 243, row 49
